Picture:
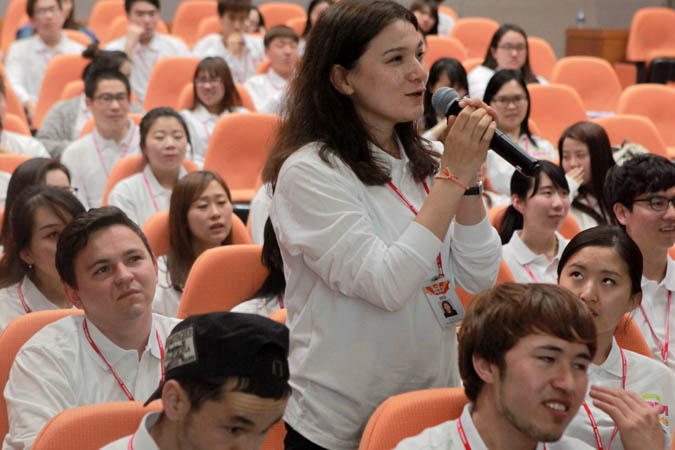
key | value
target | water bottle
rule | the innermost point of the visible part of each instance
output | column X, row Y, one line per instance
column 581, row 18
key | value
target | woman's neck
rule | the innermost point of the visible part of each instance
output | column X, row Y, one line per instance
column 199, row 247
column 167, row 178
column 214, row 109
column 604, row 345
column 541, row 243
column 513, row 134
column 385, row 138
column 51, row 289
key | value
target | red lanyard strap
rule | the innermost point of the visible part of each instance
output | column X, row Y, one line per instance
column 131, row 442
column 23, row 300
column 663, row 346
column 529, row 272
column 152, row 197
column 462, row 435
column 100, row 155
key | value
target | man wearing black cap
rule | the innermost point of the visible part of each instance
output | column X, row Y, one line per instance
column 226, row 385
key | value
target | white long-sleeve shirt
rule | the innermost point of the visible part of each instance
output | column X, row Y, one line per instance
column 241, row 68
column 20, row 144
column 529, row 267
column 355, row 262
column 267, row 91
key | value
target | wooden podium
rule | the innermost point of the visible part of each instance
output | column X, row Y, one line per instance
column 603, row 43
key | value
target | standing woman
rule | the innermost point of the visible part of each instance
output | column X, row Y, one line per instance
column 28, row 277
column 164, row 140
column 446, row 72
column 364, row 228
column 214, row 96
column 586, row 155
column 603, row 266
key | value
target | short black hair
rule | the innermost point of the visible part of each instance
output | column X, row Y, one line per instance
column 30, row 7
column 94, row 78
column 129, row 3
column 234, row 6
column 280, row 31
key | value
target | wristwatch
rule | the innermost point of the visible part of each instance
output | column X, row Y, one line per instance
column 475, row 190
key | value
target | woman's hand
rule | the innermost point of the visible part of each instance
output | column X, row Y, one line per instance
column 637, row 421
column 577, row 174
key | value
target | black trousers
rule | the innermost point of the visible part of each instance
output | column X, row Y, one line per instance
column 296, row 441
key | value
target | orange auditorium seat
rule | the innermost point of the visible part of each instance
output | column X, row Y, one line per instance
column 13, row 104
column 209, row 25
column 443, row 47
column 79, row 37
column 633, row 128
column 10, row 161
column 15, row 18
column 103, row 14
column 470, row 63
column 278, row 13
column 503, row 276
column 593, row 78
column 298, row 25
column 15, row 124
column 72, row 89
column 118, row 28
column 168, row 77
column 475, row 33
column 449, row 11
column 629, row 336
column 542, row 57
column 188, row 16
column 651, row 29
column 554, row 107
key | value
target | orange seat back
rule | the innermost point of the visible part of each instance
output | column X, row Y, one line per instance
column 278, row 13
column 503, row 276
column 298, row 24
column 118, row 28
column 593, row 78
column 443, row 47
column 13, row 104
column 15, row 18
column 651, row 29
column 14, row 123
column 72, row 89
column 629, row 337
column 103, row 14
column 279, row 315
column 209, row 25
column 470, row 63
column 542, row 57
column 449, row 11
column 568, row 229
column 167, row 79
column 569, row 109
column 78, row 36
column 89, row 126
column 634, row 128
column 263, row 67
column 475, row 33
column 654, row 101
column 61, row 70
column 188, row 16
column 10, row 161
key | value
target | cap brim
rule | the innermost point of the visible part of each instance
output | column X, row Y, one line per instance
column 155, row 395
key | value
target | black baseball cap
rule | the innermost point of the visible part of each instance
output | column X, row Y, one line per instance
column 215, row 346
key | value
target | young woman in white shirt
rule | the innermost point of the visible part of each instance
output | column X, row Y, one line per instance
column 426, row 13
column 214, row 96
column 29, row 280
column 585, row 155
column 529, row 231
column 200, row 218
column 164, row 140
column 446, row 72
column 631, row 396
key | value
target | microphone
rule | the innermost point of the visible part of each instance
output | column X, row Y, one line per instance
column 446, row 101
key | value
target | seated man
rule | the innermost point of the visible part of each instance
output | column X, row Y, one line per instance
column 143, row 44
column 17, row 143
column 242, row 52
column 114, row 352
column 91, row 158
column 27, row 59
column 226, row 385
column 641, row 193
column 523, row 354
column 267, row 90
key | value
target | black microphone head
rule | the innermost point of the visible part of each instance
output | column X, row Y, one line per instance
column 443, row 98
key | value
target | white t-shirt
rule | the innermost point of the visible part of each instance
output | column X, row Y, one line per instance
column 241, row 68
column 644, row 376
column 166, row 297
column 479, row 77
column 267, row 91
column 142, row 438
column 528, row 267
column 355, row 261
column 259, row 212
column 20, row 144
column 91, row 158
column 58, row 369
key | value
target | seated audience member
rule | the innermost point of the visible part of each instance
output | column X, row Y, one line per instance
column 164, row 139
column 641, row 194
column 631, row 395
column 508, row 50
column 228, row 396
column 507, row 94
column 114, row 352
column 12, row 142
column 215, row 95
column 67, row 118
column 523, row 355
column 255, row 23
column 586, row 155
column 242, row 52
column 314, row 10
column 445, row 72
column 28, row 277
column 200, row 218
column 68, row 9
column 144, row 44
column 426, row 13
column 91, row 158
column 532, row 245
column 445, row 21
column 267, row 90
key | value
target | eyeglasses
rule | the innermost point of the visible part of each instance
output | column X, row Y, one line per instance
column 48, row 10
column 512, row 47
column 108, row 99
column 658, row 202
column 504, row 100
column 216, row 80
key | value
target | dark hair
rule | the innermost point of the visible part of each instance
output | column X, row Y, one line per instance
column 641, row 174
column 75, row 236
column 21, row 221
column 275, row 283
column 491, row 62
column 95, row 77
column 3, row 90
column 216, row 66
column 609, row 237
column 418, row 5
column 499, row 79
column 279, row 31
column 234, row 6
column 455, row 72
column 129, row 3
column 102, row 59
column 600, row 153
column 151, row 117
column 181, row 254
column 30, row 7
column 316, row 112
column 28, row 173
column 313, row 4
column 499, row 317
column 520, row 186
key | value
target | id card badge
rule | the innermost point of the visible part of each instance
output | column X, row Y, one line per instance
column 444, row 302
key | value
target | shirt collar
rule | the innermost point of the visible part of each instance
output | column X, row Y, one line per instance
column 157, row 188
column 472, row 435
column 668, row 281
column 276, row 79
column 34, row 298
column 203, row 115
column 613, row 363
column 142, row 438
column 42, row 47
column 524, row 255
column 110, row 142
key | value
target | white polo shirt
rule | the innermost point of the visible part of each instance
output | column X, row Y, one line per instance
column 27, row 61
column 267, row 91
column 20, row 144
column 58, row 369
column 259, row 212
column 528, row 267
column 141, row 437
column 91, row 158
column 166, row 299
column 241, row 68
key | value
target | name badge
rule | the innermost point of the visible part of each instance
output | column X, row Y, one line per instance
column 444, row 302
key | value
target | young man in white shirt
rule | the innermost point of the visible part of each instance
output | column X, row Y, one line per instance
column 641, row 193
column 143, row 44
column 91, row 158
column 267, row 89
column 114, row 352
column 523, row 354
column 15, row 142
column 27, row 59
column 242, row 52
column 226, row 385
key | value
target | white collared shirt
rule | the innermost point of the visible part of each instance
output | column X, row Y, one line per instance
column 167, row 298
column 89, row 169
column 241, row 68
column 445, row 24
column 83, row 115
column 259, row 305
column 259, row 212
column 142, row 438
column 20, row 144
column 10, row 303
column 479, row 77
column 27, row 61
column 528, row 267
column 140, row 195
column 144, row 57
column 644, row 376
column 58, row 369
column 267, row 91
column 356, row 262
column 446, row 437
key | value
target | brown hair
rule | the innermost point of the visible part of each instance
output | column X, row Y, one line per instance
column 499, row 317
column 279, row 31
column 216, row 66
column 491, row 62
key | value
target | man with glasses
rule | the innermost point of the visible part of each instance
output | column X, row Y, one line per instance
column 91, row 158
column 143, row 44
column 27, row 59
column 642, row 195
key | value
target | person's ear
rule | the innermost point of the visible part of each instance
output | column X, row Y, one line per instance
column 635, row 300
column 518, row 203
column 339, row 78
column 27, row 256
column 621, row 212
column 175, row 401
column 88, row 102
column 73, row 295
column 487, row 371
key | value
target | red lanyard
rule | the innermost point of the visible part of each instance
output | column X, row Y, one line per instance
column 462, row 435
column 439, row 262
column 142, row 60
column 596, row 432
column 529, row 272
column 152, row 197
column 663, row 346
column 131, row 441
column 273, row 84
column 23, row 300
column 100, row 155
column 117, row 378
column 206, row 128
